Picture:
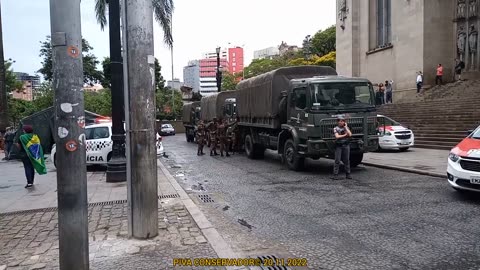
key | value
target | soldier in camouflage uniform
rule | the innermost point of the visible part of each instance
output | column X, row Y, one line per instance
column 200, row 134
column 233, row 136
column 212, row 130
column 222, row 136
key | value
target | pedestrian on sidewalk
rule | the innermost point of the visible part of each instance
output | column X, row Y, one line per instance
column 439, row 77
column 389, row 91
column 459, row 66
column 9, row 138
column 31, row 154
column 342, row 147
column 419, row 82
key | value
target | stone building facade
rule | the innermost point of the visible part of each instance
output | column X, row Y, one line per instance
column 394, row 39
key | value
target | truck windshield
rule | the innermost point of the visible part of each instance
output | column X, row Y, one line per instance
column 341, row 94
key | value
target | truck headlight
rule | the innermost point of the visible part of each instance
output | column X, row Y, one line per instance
column 453, row 157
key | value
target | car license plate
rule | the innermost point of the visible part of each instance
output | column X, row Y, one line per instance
column 405, row 143
column 475, row 180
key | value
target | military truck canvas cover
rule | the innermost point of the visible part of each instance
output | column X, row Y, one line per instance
column 212, row 106
column 187, row 112
column 259, row 97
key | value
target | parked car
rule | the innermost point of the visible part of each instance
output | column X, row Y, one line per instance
column 394, row 135
column 167, row 129
column 98, row 140
column 463, row 170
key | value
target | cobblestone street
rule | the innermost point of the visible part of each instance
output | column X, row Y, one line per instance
column 29, row 240
column 383, row 219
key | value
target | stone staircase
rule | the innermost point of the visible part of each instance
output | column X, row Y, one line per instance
column 440, row 119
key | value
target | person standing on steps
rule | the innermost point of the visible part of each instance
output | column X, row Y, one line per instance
column 459, row 66
column 419, row 82
column 342, row 148
column 439, row 77
column 31, row 153
column 389, row 91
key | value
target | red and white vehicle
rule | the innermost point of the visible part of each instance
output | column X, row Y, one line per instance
column 463, row 171
column 392, row 135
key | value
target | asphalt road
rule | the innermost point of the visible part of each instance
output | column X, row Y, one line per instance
column 381, row 219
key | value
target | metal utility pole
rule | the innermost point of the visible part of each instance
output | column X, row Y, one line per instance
column 173, row 78
column 139, row 76
column 69, row 126
column 219, row 72
column 117, row 167
column 3, row 89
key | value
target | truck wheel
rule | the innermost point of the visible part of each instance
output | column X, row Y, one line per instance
column 249, row 147
column 356, row 159
column 290, row 156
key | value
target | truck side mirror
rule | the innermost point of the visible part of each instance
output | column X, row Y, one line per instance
column 284, row 94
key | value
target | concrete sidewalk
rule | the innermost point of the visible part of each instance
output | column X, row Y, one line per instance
column 29, row 228
column 415, row 160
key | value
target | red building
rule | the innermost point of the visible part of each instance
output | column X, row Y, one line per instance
column 235, row 60
column 208, row 67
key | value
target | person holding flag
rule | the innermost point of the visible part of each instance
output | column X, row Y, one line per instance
column 31, row 153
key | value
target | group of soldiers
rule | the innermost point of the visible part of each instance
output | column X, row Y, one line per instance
column 217, row 133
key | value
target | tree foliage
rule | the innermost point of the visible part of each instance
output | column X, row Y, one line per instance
column 159, row 80
column 99, row 102
column 11, row 82
column 230, row 81
column 164, row 104
column 324, row 41
column 107, row 74
column 90, row 73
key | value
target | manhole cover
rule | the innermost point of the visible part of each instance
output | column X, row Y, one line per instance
column 206, row 198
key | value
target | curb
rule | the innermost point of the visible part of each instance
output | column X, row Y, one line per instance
column 214, row 238
column 403, row 169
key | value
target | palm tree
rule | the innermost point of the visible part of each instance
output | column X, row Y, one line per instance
column 3, row 89
column 162, row 10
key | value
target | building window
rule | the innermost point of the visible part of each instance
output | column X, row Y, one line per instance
column 233, row 55
column 384, row 23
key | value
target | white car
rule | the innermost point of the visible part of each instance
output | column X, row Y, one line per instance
column 98, row 140
column 393, row 135
column 167, row 129
column 463, row 170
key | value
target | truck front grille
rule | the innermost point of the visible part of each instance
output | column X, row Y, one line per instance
column 355, row 124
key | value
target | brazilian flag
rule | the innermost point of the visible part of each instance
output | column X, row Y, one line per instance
column 31, row 144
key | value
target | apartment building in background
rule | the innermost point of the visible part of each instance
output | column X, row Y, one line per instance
column 235, row 60
column 267, row 53
column 191, row 75
column 175, row 84
column 30, row 84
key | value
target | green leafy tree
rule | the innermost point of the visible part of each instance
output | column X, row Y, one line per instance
column 162, row 10
column 99, row 102
column 324, row 41
column 159, row 80
column 19, row 109
column 11, row 82
column 230, row 81
column 44, row 97
column 90, row 73
column 164, row 104
column 107, row 74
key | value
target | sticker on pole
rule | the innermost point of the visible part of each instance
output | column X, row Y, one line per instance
column 73, row 51
column 71, row 146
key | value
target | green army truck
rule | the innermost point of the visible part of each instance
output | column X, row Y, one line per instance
column 294, row 110
column 215, row 106
column 191, row 116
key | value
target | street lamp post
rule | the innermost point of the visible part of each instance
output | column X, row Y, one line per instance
column 116, row 170
column 219, row 72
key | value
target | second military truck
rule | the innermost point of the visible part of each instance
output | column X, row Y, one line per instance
column 294, row 110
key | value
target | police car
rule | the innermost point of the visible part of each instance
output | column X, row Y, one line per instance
column 393, row 135
column 463, row 169
column 98, row 142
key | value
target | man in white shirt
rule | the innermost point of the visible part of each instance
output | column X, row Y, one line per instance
column 419, row 82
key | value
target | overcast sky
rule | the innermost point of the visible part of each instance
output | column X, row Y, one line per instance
column 198, row 27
